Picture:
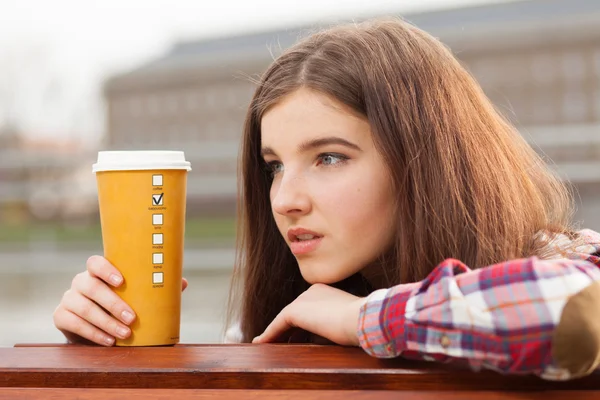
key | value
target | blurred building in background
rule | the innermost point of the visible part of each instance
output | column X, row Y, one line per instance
column 537, row 60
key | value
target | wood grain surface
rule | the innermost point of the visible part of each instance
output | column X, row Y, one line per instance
column 272, row 367
column 185, row 394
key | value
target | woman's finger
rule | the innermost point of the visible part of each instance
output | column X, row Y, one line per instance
column 281, row 324
column 92, row 313
column 100, row 267
column 70, row 323
column 97, row 291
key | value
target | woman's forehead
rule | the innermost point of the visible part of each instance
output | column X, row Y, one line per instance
column 306, row 114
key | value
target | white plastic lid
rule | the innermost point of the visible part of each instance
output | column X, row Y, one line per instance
column 140, row 160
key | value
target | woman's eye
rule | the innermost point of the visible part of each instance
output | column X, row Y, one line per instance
column 331, row 159
column 274, row 167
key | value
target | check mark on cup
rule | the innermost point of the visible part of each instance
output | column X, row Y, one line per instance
column 157, row 199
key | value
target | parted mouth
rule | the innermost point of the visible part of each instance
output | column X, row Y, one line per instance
column 302, row 234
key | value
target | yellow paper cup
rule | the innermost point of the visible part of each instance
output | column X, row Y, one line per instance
column 142, row 198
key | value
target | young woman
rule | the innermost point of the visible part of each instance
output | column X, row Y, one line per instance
column 385, row 203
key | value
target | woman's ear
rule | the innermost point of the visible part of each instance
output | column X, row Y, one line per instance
column 576, row 340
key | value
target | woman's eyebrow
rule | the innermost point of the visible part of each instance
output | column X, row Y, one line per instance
column 267, row 151
column 320, row 142
column 314, row 144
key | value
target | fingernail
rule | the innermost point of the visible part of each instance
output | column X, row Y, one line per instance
column 127, row 316
column 122, row 332
column 115, row 279
column 109, row 340
column 255, row 339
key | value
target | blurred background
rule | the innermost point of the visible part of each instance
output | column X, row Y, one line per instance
column 80, row 76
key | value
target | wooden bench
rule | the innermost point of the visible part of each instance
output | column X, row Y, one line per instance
column 255, row 371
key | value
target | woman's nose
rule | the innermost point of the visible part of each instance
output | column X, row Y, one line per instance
column 289, row 195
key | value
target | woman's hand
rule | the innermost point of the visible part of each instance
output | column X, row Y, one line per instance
column 322, row 310
column 90, row 310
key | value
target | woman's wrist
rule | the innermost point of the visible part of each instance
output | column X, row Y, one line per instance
column 353, row 319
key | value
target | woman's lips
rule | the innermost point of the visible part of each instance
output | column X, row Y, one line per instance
column 300, row 247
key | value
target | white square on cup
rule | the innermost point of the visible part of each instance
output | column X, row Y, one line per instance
column 157, row 238
column 157, row 180
column 158, row 277
column 157, row 258
column 157, row 219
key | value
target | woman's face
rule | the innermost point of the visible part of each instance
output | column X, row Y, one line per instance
column 331, row 194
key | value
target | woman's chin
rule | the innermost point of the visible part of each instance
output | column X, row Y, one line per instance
column 314, row 277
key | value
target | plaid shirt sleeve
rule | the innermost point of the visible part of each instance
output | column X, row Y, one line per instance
column 501, row 317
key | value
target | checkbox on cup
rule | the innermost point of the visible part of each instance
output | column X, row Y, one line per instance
column 158, row 277
column 157, row 258
column 157, row 180
column 157, row 219
column 157, row 199
column 157, row 238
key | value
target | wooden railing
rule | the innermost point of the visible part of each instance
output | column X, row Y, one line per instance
column 253, row 372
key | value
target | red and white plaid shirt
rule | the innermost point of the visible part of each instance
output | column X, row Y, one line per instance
column 500, row 317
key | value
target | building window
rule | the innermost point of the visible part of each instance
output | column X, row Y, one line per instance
column 152, row 105
column 135, row 107
column 574, row 105
column 171, row 104
column 597, row 101
column 120, row 108
column 237, row 131
column 543, row 108
column 231, row 96
column 211, row 131
column 573, row 65
column 486, row 71
column 543, row 69
column 192, row 101
column 516, row 69
column 114, row 108
column 172, row 134
column 210, row 97
column 188, row 133
column 121, row 139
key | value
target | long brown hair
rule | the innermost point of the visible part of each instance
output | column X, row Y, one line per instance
column 469, row 186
